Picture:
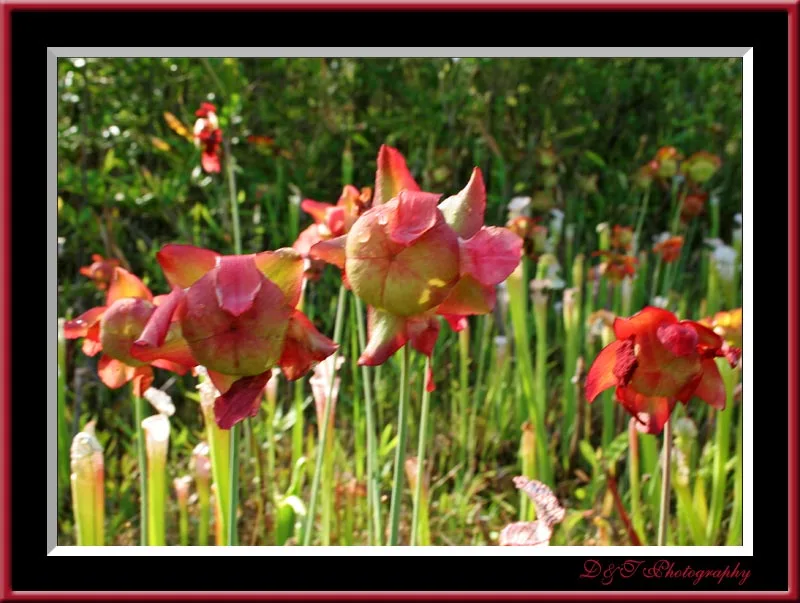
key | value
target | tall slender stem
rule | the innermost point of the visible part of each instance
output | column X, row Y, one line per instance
column 666, row 472
column 138, row 409
column 323, row 438
column 372, row 455
column 423, row 437
column 400, row 452
column 233, row 498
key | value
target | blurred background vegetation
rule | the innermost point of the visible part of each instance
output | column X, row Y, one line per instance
column 128, row 183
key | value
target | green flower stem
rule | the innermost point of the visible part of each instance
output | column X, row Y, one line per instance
column 721, row 452
column 663, row 520
column 138, row 411
column 322, row 444
column 400, row 452
column 735, row 529
column 373, row 481
column 423, row 436
column 463, row 391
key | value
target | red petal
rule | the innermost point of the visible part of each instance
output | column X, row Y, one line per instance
column 168, row 365
column 414, row 215
column 430, row 384
column 222, row 382
column 652, row 411
column 705, row 336
column 79, row 327
column 491, row 255
column 464, row 212
column 91, row 347
column 284, row 267
column 112, row 372
column 185, row 264
column 330, row 251
column 387, row 334
column 237, row 283
column 335, row 220
column 601, row 375
column 241, row 401
column 457, row 322
column 174, row 350
column 711, row 388
column 468, row 298
column 679, row 339
column 303, row 348
column 155, row 332
column 210, row 162
column 392, row 176
column 142, row 378
column 423, row 333
column 646, row 321
column 124, row 284
column 316, row 209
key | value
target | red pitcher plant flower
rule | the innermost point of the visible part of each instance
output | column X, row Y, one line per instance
column 657, row 361
column 668, row 247
column 101, row 271
column 622, row 237
column 208, row 137
column 114, row 327
column 549, row 512
column 411, row 257
column 693, row 205
column 239, row 319
column 331, row 221
column 616, row 266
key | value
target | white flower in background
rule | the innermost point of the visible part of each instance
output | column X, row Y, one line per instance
column 660, row 301
column 160, row 400
column 519, row 206
column 321, row 387
column 556, row 227
column 156, row 430
column 724, row 259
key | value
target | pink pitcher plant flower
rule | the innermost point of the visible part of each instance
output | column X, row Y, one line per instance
column 208, row 137
column 101, row 271
column 412, row 258
column 239, row 319
column 113, row 327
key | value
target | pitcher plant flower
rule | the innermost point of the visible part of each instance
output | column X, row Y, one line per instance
column 700, row 167
column 239, row 319
column 208, row 137
column 113, row 327
column 668, row 247
column 657, row 361
column 411, row 257
column 101, row 271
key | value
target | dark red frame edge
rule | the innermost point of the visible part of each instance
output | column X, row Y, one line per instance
column 791, row 7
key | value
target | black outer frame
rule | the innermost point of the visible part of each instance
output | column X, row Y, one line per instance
column 32, row 32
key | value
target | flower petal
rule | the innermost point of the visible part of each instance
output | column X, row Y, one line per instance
column 468, row 297
column 415, row 214
column 142, row 377
column 155, row 332
column 241, row 401
column 210, row 162
column 307, row 239
column 680, row 339
column 392, row 175
column 464, row 212
column 601, row 374
column 645, row 321
column 174, row 349
column 711, row 388
column 387, row 334
column 284, row 267
column 423, row 333
column 330, row 251
column 237, row 282
column 706, row 337
column 112, row 372
column 80, row 326
column 491, row 255
column 651, row 411
column 316, row 209
column 124, row 284
column 221, row 381
column 185, row 264
column 457, row 322
column 304, row 346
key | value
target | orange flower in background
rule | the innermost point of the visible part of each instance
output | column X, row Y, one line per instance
column 669, row 248
column 645, row 175
column 101, row 271
column 616, row 266
column 114, row 327
column 533, row 235
column 693, row 205
column 728, row 325
column 666, row 162
column 657, row 361
column 622, row 237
